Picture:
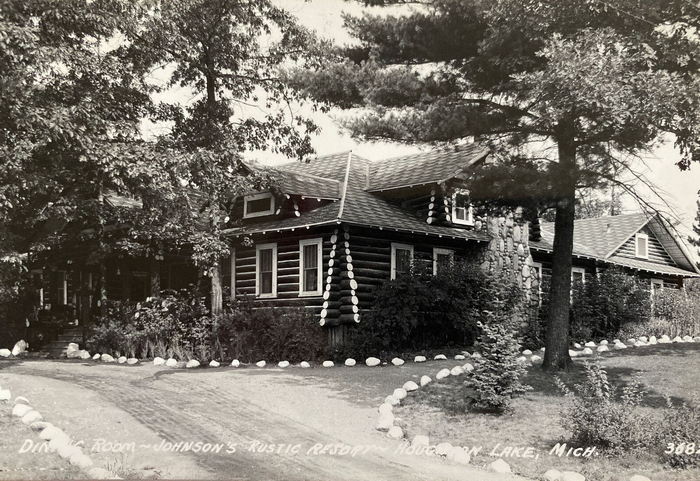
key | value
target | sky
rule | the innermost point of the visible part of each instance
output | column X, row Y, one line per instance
column 679, row 190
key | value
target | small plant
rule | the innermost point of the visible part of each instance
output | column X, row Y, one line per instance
column 596, row 416
column 679, row 435
column 496, row 378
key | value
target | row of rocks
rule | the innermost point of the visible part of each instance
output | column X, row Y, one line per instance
column 58, row 441
column 556, row 475
column 349, row 362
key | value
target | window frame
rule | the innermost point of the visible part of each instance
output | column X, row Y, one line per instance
column 232, row 260
column 658, row 282
column 398, row 246
column 258, row 248
column 251, row 197
column 63, row 287
column 441, row 251
column 580, row 270
column 637, row 236
column 318, row 242
column 470, row 213
column 538, row 267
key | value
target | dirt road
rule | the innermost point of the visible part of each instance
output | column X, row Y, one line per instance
column 268, row 424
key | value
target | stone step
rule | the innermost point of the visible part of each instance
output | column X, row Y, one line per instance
column 70, row 338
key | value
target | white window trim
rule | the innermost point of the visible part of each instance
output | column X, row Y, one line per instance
column 637, row 236
column 441, row 251
column 659, row 282
column 232, row 294
column 538, row 267
column 264, row 195
column 258, row 248
column 394, row 246
column 581, row 271
column 318, row 242
column 470, row 213
column 64, row 298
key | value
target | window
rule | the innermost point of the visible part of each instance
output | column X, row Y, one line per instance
column 578, row 275
column 642, row 245
column 266, row 270
column 461, row 208
column 61, row 288
column 401, row 259
column 258, row 205
column 310, row 257
column 538, row 268
column 656, row 285
column 442, row 258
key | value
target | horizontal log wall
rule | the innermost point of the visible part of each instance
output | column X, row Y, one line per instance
column 287, row 267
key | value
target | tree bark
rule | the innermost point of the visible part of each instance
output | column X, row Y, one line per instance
column 217, row 296
column 556, row 356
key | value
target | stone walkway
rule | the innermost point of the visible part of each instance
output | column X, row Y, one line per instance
column 282, row 423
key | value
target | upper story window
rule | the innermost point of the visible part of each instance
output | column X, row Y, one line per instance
column 642, row 245
column 401, row 259
column 257, row 205
column 266, row 270
column 461, row 208
column 310, row 267
column 442, row 259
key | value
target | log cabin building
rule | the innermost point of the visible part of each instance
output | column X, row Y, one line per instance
column 338, row 226
column 342, row 225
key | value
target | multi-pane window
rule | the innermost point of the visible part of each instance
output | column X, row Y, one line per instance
column 258, row 205
column 642, row 246
column 461, row 208
column 401, row 259
column 266, row 270
column 442, row 259
column 310, row 266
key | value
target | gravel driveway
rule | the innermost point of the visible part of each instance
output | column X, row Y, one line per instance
column 271, row 423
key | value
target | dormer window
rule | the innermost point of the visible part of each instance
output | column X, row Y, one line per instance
column 461, row 208
column 257, row 205
column 642, row 246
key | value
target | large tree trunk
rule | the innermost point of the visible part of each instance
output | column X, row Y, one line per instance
column 217, row 296
column 556, row 355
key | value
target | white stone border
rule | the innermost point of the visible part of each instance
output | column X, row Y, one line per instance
column 58, row 441
column 457, row 454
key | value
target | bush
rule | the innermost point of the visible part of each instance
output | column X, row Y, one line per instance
column 251, row 333
column 421, row 311
column 677, row 312
column 606, row 302
column 496, row 378
column 681, row 426
column 181, row 326
column 595, row 416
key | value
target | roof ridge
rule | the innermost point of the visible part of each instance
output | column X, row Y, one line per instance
column 437, row 151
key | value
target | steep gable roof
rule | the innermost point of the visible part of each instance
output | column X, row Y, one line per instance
column 601, row 238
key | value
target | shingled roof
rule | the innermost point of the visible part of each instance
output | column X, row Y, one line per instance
column 357, row 204
column 600, row 238
column 354, row 184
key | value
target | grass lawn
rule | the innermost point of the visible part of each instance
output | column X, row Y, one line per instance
column 670, row 369
column 28, row 465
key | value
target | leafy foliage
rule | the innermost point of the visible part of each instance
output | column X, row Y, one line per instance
column 496, row 377
column 422, row 311
column 596, row 416
column 681, row 425
column 181, row 326
column 606, row 302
